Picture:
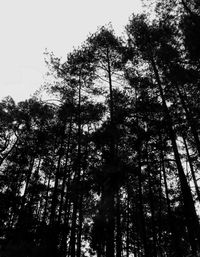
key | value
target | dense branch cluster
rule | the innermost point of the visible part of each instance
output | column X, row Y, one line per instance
column 111, row 168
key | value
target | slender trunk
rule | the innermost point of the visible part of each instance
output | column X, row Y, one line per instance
column 65, row 173
column 80, row 228
column 152, row 208
column 55, row 191
column 28, row 180
column 77, row 180
column 67, row 206
column 57, row 173
column 118, row 227
column 23, row 206
column 33, row 192
column 192, row 169
column 190, row 119
column 160, row 252
column 140, row 194
column 141, row 210
column 110, row 195
column 46, row 199
column 154, row 246
column 189, row 208
column 73, row 230
column 175, row 239
column 110, row 87
column 164, row 176
column 128, row 225
column 54, row 229
column 110, row 225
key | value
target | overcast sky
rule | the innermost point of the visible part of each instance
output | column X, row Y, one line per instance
column 27, row 27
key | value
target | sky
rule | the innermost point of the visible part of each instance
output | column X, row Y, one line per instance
column 28, row 27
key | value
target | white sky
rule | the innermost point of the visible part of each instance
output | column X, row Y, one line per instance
column 27, row 27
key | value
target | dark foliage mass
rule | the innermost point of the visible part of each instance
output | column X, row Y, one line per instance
column 111, row 167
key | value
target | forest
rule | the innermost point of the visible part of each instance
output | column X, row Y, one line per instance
column 108, row 166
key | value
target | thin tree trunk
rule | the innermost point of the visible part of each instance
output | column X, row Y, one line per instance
column 28, row 180
column 189, row 208
column 141, row 210
column 118, row 227
column 175, row 239
column 109, row 193
column 192, row 169
column 160, row 254
column 128, row 225
column 80, row 228
column 152, row 208
column 189, row 119
column 55, row 191
column 33, row 192
column 46, row 200
column 67, row 206
column 65, row 173
column 154, row 246
column 76, row 180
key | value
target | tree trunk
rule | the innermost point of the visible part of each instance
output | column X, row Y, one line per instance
column 128, row 225
column 189, row 208
column 141, row 210
column 46, row 200
column 67, row 207
column 110, row 226
column 175, row 239
column 154, row 243
column 28, row 180
column 73, row 231
column 118, row 227
column 192, row 169
column 65, row 172
column 80, row 228
column 190, row 119
column 57, row 174
column 76, row 180
column 109, row 193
